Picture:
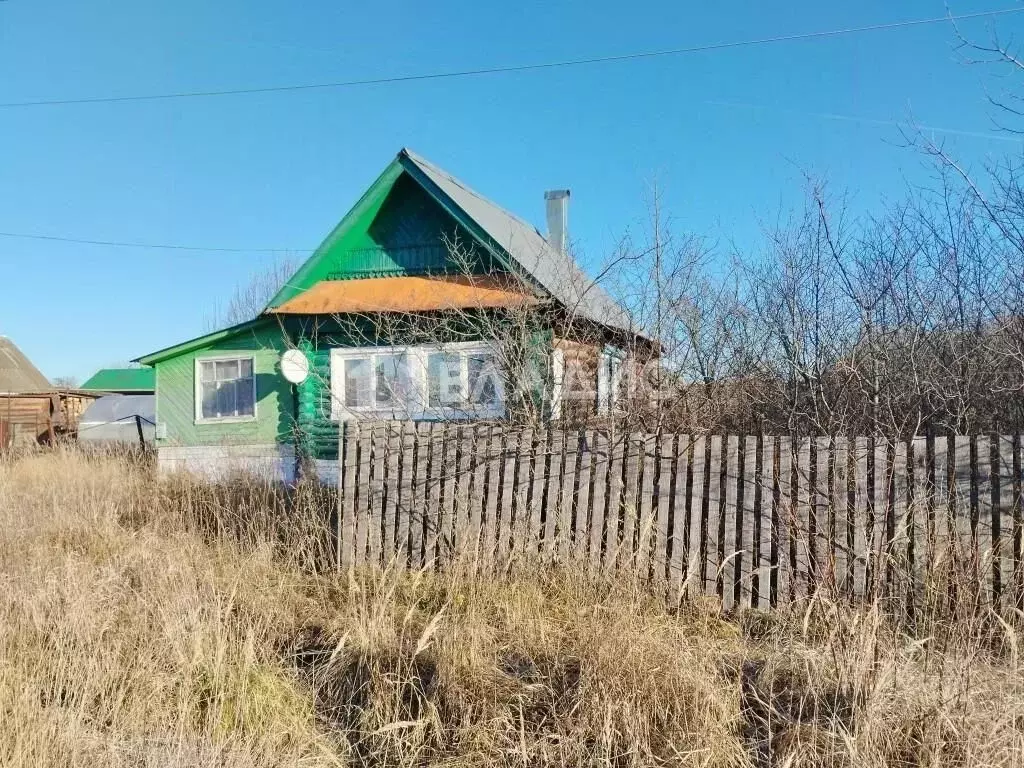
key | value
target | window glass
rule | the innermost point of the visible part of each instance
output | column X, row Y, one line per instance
column 393, row 385
column 615, row 389
column 357, row 382
column 243, row 394
column 482, row 378
column 412, row 383
column 444, row 380
column 208, row 391
column 227, row 370
column 226, row 389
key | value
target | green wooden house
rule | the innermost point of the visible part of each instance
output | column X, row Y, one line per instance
column 427, row 301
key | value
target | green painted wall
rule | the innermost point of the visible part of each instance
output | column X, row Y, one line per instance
column 397, row 228
column 175, row 393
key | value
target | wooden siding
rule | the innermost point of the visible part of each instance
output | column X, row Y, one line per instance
column 319, row 433
column 175, row 393
column 397, row 229
column 42, row 416
column 580, row 373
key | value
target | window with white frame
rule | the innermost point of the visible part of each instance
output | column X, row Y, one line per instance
column 609, row 381
column 437, row 381
column 225, row 389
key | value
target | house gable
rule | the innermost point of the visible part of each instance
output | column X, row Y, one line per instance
column 397, row 228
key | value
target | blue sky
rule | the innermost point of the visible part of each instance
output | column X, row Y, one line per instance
column 727, row 134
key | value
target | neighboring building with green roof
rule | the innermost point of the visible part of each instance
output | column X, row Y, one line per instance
column 122, row 381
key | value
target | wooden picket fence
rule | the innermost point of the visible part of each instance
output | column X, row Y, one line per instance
column 757, row 520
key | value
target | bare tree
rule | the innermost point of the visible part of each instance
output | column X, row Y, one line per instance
column 251, row 298
column 65, row 382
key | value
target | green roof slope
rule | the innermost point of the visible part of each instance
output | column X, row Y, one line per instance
column 122, row 380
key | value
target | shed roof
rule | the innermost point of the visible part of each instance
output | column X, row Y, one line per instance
column 139, row 380
column 17, row 373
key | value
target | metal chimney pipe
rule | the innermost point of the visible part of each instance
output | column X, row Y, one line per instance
column 557, row 205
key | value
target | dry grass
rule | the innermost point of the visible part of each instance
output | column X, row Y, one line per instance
column 130, row 635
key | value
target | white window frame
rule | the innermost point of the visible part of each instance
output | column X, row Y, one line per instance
column 417, row 355
column 609, row 382
column 198, row 389
column 557, row 381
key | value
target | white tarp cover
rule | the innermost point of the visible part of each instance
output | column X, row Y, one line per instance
column 116, row 419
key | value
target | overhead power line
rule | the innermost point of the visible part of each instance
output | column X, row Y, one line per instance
column 514, row 67
column 161, row 246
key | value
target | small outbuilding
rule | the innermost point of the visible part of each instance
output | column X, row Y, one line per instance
column 31, row 409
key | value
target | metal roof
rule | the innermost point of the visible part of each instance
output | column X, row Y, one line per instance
column 557, row 272
column 139, row 380
column 17, row 374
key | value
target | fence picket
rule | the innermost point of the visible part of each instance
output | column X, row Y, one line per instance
column 534, row 532
column 696, row 521
column 405, row 505
column 1018, row 525
column 552, row 490
column 727, row 574
column 821, row 531
column 920, row 523
column 523, row 513
column 479, row 437
column 747, row 543
column 755, row 520
column 417, row 507
column 599, row 498
column 898, row 545
column 840, row 503
column 680, row 507
column 802, row 581
column 565, row 534
column 712, row 514
column 662, row 506
column 613, row 509
column 1002, row 516
column 492, row 491
column 582, row 500
column 783, row 523
column 985, row 487
column 646, row 519
column 449, row 474
column 364, row 494
column 942, row 512
column 376, row 495
column 391, row 438
column 767, row 560
column 510, row 452
column 628, row 521
column 862, row 516
column 878, row 506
